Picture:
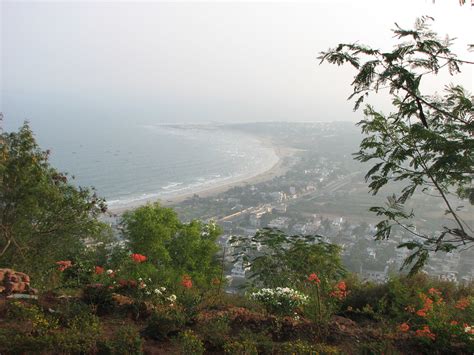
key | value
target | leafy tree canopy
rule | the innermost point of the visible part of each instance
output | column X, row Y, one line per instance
column 426, row 143
column 43, row 218
column 275, row 259
column 175, row 248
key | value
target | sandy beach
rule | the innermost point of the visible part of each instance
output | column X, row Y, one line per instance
column 278, row 169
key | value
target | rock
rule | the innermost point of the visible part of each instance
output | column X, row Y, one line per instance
column 15, row 282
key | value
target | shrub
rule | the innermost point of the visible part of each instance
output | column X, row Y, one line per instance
column 127, row 340
column 33, row 315
column 215, row 331
column 302, row 347
column 241, row 347
column 262, row 340
column 80, row 335
column 100, row 297
column 189, row 343
column 280, row 300
column 164, row 322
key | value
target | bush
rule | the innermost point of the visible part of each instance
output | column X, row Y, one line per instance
column 164, row 322
column 280, row 300
column 241, row 347
column 262, row 340
column 34, row 331
column 302, row 347
column 100, row 297
column 127, row 340
column 215, row 331
column 189, row 343
column 32, row 315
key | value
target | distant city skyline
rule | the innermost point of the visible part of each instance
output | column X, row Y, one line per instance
column 80, row 63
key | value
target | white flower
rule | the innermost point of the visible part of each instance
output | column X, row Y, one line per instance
column 140, row 279
column 109, row 272
column 157, row 291
column 163, row 289
column 148, row 293
column 172, row 298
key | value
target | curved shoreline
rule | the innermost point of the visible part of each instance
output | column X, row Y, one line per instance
column 278, row 169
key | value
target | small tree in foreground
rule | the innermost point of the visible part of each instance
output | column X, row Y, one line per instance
column 427, row 142
column 172, row 247
column 43, row 217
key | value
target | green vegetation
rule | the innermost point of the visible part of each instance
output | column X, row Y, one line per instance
column 162, row 287
column 427, row 142
column 43, row 217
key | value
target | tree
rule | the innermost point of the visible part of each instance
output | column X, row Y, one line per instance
column 275, row 259
column 43, row 218
column 427, row 142
column 174, row 248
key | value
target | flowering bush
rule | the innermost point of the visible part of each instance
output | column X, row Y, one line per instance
column 438, row 323
column 280, row 300
column 340, row 291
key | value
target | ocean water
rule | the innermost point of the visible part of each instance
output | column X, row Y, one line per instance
column 131, row 164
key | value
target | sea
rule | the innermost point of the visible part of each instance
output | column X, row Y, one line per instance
column 131, row 164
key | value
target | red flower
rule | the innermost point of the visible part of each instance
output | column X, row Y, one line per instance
column 421, row 313
column 404, row 327
column 341, row 286
column 186, row 281
column 425, row 333
column 99, row 270
column 462, row 304
column 453, row 322
column 340, row 292
column 138, row 258
column 314, row 278
column 63, row 264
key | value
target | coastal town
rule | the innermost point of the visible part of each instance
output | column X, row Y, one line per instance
column 321, row 192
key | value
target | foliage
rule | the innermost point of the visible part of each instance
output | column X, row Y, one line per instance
column 164, row 322
column 215, row 331
column 189, row 343
column 32, row 314
column 439, row 324
column 302, row 347
column 173, row 248
column 275, row 259
column 43, row 217
column 241, row 347
column 262, row 340
column 127, row 340
column 33, row 330
column 427, row 142
column 100, row 297
column 280, row 300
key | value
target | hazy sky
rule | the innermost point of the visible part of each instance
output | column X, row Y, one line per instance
column 116, row 61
